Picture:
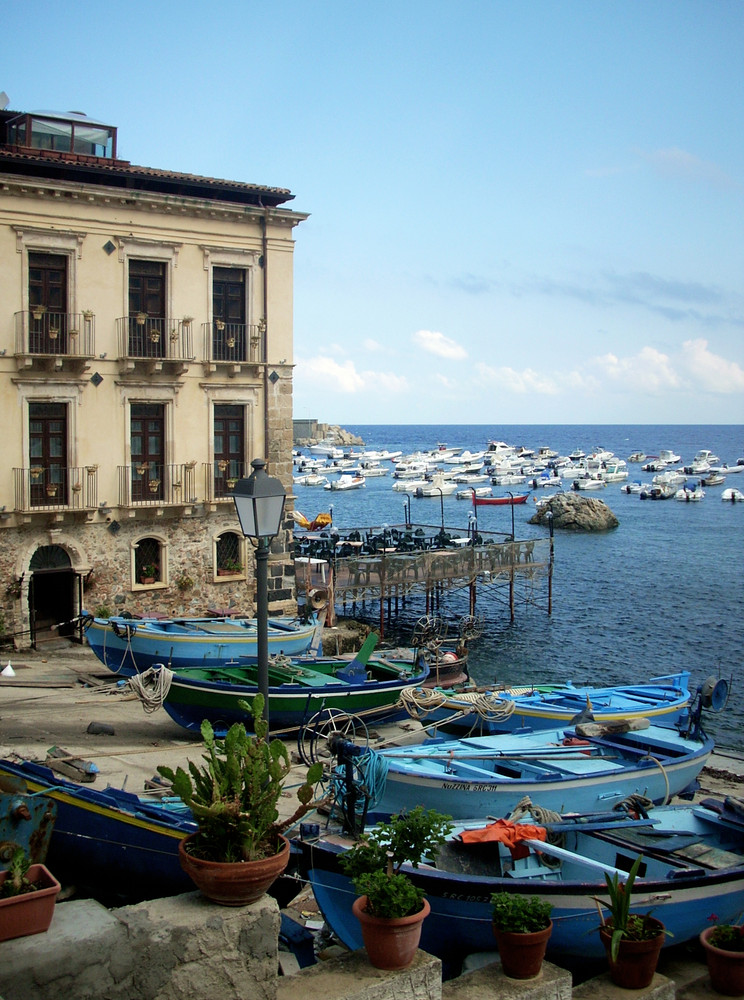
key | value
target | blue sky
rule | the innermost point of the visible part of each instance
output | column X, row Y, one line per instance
column 522, row 212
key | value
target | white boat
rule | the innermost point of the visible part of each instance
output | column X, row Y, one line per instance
column 345, row 482
column 464, row 458
column 370, row 471
column 438, row 487
column 471, row 477
column 328, row 448
column 690, row 493
column 479, row 491
column 635, row 487
column 732, row 495
column 577, row 454
column 545, row 453
column 713, row 479
column 658, row 491
column 637, row 456
column 311, row 479
column 670, row 457
column 508, row 479
column 588, row 483
column 614, row 472
column 704, row 455
column 670, row 477
column 409, row 485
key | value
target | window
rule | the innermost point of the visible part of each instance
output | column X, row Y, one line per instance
column 147, row 446
column 228, row 312
column 148, row 561
column 47, row 302
column 229, row 448
column 147, row 308
column 229, row 554
column 47, row 449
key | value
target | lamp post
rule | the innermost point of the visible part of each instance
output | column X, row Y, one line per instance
column 259, row 502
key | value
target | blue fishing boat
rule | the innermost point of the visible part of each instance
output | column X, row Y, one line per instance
column 665, row 700
column 131, row 645
column 692, row 875
column 108, row 838
column 588, row 767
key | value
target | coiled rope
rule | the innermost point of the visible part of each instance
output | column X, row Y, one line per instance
column 541, row 816
column 421, row 702
column 372, row 769
column 152, row 687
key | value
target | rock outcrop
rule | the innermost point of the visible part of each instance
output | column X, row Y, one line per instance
column 573, row 512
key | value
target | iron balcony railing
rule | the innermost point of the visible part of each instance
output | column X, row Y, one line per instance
column 221, row 477
column 155, row 338
column 148, row 484
column 39, row 331
column 233, row 343
column 56, row 487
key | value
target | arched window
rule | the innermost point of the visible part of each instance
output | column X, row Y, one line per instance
column 149, row 561
column 229, row 554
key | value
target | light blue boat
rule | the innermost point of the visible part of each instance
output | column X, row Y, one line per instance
column 131, row 645
column 692, row 875
column 587, row 768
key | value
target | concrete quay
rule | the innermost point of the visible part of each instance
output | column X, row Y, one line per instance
column 184, row 947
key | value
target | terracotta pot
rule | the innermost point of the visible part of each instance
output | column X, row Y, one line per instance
column 31, row 912
column 233, row 883
column 637, row 960
column 726, row 968
column 391, row 942
column 522, row 954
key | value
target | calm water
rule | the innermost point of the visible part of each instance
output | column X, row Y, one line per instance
column 660, row 593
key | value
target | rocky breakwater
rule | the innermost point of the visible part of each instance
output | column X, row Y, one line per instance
column 573, row 512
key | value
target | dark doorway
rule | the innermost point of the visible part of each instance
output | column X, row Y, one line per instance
column 53, row 595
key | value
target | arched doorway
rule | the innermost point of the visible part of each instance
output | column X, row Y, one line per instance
column 53, row 595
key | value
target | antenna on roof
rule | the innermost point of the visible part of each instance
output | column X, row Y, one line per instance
column 4, row 100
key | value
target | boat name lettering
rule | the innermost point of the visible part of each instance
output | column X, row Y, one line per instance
column 467, row 786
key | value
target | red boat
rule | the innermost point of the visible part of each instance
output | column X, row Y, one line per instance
column 492, row 501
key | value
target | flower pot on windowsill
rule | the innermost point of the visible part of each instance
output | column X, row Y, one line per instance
column 29, row 912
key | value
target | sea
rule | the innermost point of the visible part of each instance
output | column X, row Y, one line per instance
column 662, row 592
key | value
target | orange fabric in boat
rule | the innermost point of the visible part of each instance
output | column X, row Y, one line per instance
column 506, row 832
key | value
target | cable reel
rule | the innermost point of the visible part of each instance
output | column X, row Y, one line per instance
column 315, row 736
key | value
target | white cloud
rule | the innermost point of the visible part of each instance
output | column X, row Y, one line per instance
column 675, row 162
column 649, row 370
column 437, row 343
column 710, row 371
column 510, row 380
column 327, row 374
column 371, row 345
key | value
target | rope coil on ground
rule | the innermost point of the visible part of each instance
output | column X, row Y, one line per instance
column 152, row 687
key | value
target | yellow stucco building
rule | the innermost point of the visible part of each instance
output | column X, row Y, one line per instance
column 145, row 360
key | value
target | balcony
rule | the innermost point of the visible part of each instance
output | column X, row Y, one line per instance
column 221, row 477
column 56, row 488
column 154, row 344
column 232, row 346
column 53, row 341
column 151, row 485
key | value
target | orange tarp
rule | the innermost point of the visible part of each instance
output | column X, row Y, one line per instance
column 506, row 832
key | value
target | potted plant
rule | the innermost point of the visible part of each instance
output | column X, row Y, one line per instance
column 522, row 927
column 27, row 897
column 148, row 573
column 231, row 567
column 184, row 582
column 632, row 941
column 724, row 953
column 391, row 908
column 238, row 850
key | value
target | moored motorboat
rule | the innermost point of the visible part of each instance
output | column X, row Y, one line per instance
column 346, row 481
column 732, row 495
column 687, row 494
column 499, row 501
column 130, row 645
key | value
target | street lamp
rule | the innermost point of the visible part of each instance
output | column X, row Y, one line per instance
column 259, row 502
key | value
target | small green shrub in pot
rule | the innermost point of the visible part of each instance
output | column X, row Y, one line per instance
column 728, row 937
column 519, row 914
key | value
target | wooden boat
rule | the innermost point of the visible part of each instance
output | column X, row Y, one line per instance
column 663, row 699
column 499, row 501
column 365, row 685
column 131, row 645
column 111, row 837
column 693, row 874
column 588, row 766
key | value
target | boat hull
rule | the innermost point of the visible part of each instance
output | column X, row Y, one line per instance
column 490, row 775
column 130, row 646
column 500, row 501
column 460, row 919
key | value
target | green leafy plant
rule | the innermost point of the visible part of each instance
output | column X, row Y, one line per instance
column 149, row 570
column 233, row 796
column 624, row 925
column 519, row 914
column 17, row 881
column 103, row 611
column 728, row 937
column 374, row 862
column 184, row 582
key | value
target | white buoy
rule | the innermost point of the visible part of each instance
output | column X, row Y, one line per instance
column 7, row 671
